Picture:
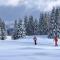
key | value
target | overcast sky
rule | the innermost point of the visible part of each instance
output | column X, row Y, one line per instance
column 10, row 9
column 46, row 4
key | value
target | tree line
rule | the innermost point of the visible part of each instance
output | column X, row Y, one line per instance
column 47, row 24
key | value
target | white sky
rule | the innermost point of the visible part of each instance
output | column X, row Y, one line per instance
column 43, row 4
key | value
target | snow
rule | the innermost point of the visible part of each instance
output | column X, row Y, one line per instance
column 24, row 49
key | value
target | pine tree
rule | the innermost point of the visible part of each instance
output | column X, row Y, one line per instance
column 15, row 33
column 58, row 21
column 52, row 23
column 2, row 30
column 20, row 28
column 26, row 24
column 54, row 26
column 42, row 24
column 30, row 27
column 36, row 27
column 46, row 22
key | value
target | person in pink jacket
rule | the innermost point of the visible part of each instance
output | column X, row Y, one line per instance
column 56, row 40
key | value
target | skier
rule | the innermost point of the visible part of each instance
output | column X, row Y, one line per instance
column 35, row 40
column 56, row 40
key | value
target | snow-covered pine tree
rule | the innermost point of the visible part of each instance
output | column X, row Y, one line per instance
column 2, row 30
column 26, row 25
column 15, row 32
column 47, row 20
column 36, row 28
column 58, row 21
column 55, row 23
column 21, row 28
column 30, row 27
column 42, row 24
column 52, row 23
column 53, row 29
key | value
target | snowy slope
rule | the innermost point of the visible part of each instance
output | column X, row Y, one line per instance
column 24, row 49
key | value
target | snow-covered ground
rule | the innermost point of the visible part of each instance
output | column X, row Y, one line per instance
column 24, row 49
